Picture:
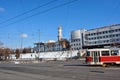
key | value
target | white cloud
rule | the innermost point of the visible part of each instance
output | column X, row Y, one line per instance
column 24, row 35
column 2, row 9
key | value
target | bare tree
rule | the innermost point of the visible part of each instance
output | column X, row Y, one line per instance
column 17, row 53
column 1, row 54
column 7, row 53
column 26, row 50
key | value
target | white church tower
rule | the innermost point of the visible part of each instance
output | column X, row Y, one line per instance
column 59, row 33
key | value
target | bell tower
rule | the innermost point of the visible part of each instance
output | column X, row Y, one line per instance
column 59, row 33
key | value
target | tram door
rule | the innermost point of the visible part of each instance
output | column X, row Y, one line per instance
column 95, row 56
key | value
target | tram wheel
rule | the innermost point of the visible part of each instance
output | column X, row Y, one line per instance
column 104, row 65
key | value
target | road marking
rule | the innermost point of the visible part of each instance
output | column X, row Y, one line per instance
column 112, row 68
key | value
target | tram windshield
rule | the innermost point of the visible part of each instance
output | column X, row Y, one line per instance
column 114, row 52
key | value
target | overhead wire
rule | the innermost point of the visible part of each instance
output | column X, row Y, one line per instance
column 50, row 2
column 44, row 11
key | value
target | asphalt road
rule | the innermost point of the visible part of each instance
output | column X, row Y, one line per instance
column 58, row 70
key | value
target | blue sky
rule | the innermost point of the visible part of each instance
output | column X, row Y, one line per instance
column 80, row 14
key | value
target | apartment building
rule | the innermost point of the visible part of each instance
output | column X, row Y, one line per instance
column 77, row 39
column 96, row 38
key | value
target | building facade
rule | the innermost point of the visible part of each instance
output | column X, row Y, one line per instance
column 77, row 39
column 103, row 36
column 96, row 38
column 51, row 46
column 83, row 39
column 60, row 45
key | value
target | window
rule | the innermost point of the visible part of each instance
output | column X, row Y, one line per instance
column 116, row 35
column 106, row 36
column 97, row 37
column 95, row 42
column 117, row 39
column 88, row 53
column 91, row 34
column 119, row 29
column 105, row 53
column 103, row 36
column 86, row 35
column 100, row 37
column 107, row 40
column 112, row 30
column 97, row 33
column 110, row 36
column 116, row 30
column 106, row 31
column 103, row 32
column 77, row 48
column 89, row 42
column 114, row 52
column 109, row 31
column 113, row 35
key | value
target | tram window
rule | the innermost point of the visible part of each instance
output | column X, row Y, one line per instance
column 105, row 53
column 114, row 52
column 88, row 53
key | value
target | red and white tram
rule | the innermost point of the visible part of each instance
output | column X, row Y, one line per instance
column 103, row 57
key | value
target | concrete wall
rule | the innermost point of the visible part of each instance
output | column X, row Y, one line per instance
column 60, row 55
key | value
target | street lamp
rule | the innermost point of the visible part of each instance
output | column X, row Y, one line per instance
column 23, row 35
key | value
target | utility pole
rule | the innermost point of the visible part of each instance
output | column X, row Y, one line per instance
column 39, row 39
column 23, row 35
column 21, row 42
column 38, row 44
